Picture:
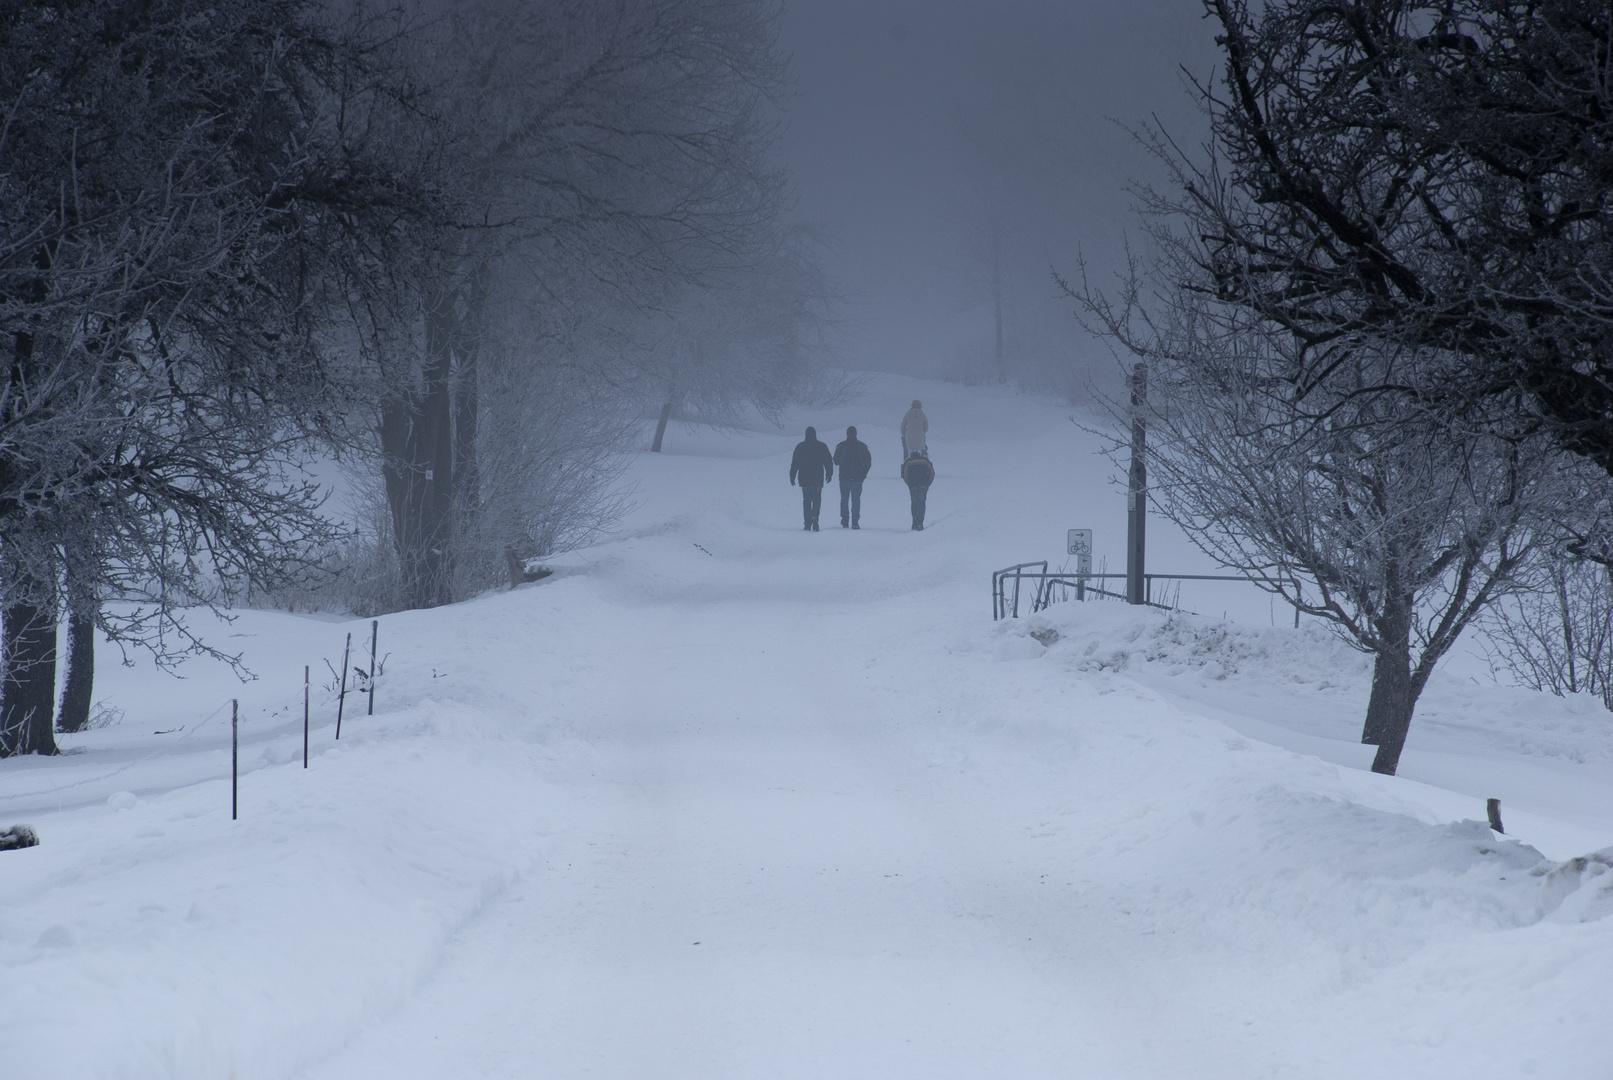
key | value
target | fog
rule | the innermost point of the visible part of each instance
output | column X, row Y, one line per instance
column 924, row 135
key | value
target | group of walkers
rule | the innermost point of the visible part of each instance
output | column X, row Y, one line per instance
column 813, row 466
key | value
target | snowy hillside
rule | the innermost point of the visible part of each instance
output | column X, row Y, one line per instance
column 725, row 799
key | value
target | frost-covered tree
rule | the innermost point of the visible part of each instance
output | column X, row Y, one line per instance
column 583, row 153
column 1289, row 464
column 1436, row 173
column 748, row 338
column 1557, row 636
column 160, row 377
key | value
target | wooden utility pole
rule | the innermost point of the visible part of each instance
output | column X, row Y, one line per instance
column 997, row 302
column 1137, row 487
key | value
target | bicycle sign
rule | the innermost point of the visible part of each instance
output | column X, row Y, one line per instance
column 1079, row 544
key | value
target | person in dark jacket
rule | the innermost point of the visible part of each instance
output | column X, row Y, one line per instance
column 854, row 460
column 813, row 465
column 919, row 474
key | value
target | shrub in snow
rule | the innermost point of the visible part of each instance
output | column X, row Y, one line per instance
column 1559, row 638
column 104, row 716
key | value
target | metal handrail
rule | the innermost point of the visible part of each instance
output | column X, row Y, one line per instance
column 999, row 597
column 1001, row 607
column 1079, row 582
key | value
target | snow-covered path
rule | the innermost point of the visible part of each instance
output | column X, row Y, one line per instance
column 781, row 874
column 723, row 799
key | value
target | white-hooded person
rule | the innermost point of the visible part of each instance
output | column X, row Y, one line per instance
column 915, row 430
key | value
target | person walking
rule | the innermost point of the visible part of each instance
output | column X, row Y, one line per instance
column 854, row 460
column 915, row 431
column 815, row 468
column 918, row 474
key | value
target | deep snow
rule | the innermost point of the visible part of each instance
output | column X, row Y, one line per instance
column 723, row 799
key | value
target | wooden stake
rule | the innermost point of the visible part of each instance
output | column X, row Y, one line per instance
column 235, row 755
column 1492, row 807
column 305, row 716
column 341, row 695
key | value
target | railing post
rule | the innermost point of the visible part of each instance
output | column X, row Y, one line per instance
column 341, row 695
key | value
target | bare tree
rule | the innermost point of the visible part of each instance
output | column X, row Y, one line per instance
column 1434, row 173
column 161, row 382
column 1557, row 636
column 618, row 146
column 1559, row 639
column 1403, row 530
column 740, row 339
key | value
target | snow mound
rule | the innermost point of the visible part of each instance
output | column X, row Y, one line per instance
column 1579, row 890
column 1111, row 637
column 1312, row 680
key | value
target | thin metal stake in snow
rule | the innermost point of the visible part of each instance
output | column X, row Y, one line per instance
column 235, row 755
column 375, row 630
column 305, row 716
column 341, row 695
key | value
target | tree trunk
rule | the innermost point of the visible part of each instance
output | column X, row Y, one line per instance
column 467, row 401
column 1393, row 694
column 466, row 481
column 660, row 428
column 438, row 454
column 79, row 686
column 417, row 444
column 1378, row 704
column 405, row 484
column 28, row 677
column 1560, row 579
column 28, row 634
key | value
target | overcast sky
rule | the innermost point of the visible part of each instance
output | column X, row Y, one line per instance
column 917, row 127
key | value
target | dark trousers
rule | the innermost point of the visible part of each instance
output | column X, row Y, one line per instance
column 919, row 494
column 811, row 502
column 851, row 500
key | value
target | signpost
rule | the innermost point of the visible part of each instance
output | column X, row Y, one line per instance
column 1079, row 543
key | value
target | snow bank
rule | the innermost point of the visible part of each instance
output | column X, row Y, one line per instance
column 154, row 937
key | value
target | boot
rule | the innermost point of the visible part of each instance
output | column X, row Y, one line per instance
column 814, row 526
column 854, row 524
column 844, row 523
